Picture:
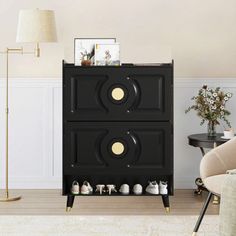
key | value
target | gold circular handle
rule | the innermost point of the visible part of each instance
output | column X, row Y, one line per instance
column 117, row 148
column 117, row 94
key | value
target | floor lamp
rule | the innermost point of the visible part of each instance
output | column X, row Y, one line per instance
column 34, row 26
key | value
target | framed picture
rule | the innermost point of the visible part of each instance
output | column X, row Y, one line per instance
column 107, row 54
column 84, row 48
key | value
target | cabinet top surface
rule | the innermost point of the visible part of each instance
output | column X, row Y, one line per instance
column 124, row 65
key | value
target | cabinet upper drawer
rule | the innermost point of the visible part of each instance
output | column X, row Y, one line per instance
column 118, row 93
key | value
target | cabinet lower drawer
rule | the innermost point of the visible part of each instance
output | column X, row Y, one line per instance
column 117, row 148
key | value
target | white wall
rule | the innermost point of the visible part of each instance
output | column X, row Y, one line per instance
column 35, row 148
column 201, row 34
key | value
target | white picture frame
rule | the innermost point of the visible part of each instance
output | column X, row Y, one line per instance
column 87, row 45
column 107, row 54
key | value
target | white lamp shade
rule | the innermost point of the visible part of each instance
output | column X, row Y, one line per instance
column 35, row 26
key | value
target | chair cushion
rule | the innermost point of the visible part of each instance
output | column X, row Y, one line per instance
column 215, row 183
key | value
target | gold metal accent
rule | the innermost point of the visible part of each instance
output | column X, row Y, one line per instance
column 8, row 51
column 7, row 197
column 10, row 199
column 37, row 50
column 194, row 234
column 117, row 94
column 216, row 200
column 68, row 209
column 117, row 148
column 167, row 209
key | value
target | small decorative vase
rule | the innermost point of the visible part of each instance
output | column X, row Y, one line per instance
column 211, row 128
column 86, row 62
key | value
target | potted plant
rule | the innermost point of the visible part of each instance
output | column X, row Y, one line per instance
column 210, row 107
column 86, row 58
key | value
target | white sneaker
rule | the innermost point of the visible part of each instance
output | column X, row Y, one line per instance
column 153, row 188
column 137, row 189
column 124, row 189
column 86, row 188
column 75, row 187
column 163, row 187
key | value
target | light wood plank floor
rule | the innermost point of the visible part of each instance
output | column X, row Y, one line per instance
column 51, row 202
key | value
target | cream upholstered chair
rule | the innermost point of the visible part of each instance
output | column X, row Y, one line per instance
column 213, row 168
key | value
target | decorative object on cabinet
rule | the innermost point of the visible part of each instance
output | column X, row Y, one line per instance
column 117, row 137
column 210, row 106
column 40, row 29
column 84, row 49
column 107, row 54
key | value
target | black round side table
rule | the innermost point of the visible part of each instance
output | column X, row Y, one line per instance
column 204, row 141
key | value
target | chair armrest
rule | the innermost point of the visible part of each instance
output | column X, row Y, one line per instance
column 219, row 160
column 211, row 165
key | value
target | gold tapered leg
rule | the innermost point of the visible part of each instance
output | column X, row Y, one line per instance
column 216, row 200
column 10, row 199
column 167, row 209
column 68, row 209
column 194, row 234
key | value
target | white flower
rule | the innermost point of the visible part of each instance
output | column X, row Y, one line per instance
column 226, row 98
column 213, row 107
column 222, row 107
column 211, row 102
column 214, row 94
column 222, row 113
column 229, row 95
column 218, row 99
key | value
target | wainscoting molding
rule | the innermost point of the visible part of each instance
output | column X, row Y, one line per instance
column 35, row 135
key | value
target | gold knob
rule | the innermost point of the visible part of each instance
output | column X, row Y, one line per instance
column 117, row 94
column 117, row 148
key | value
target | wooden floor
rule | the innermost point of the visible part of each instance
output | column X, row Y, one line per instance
column 51, row 202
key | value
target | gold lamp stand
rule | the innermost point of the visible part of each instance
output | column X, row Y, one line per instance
column 7, row 197
column 42, row 28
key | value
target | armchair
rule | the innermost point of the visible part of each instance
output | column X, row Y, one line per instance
column 213, row 168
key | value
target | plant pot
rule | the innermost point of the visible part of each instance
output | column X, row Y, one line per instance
column 86, row 62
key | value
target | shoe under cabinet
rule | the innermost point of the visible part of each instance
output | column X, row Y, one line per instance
column 118, row 131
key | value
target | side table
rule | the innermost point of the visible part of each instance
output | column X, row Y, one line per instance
column 203, row 141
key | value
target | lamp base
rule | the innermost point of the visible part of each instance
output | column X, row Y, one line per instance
column 10, row 199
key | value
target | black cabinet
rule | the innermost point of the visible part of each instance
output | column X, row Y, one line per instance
column 117, row 125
